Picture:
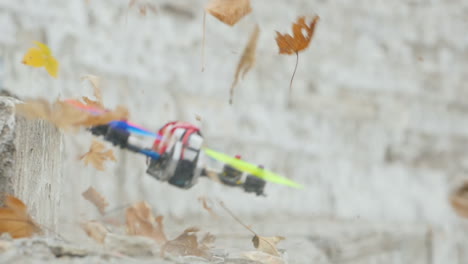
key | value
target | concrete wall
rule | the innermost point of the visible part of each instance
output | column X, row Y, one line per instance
column 377, row 125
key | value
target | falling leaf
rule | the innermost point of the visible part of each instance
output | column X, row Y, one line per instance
column 96, row 198
column 229, row 11
column 142, row 6
column 41, row 56
column 95, row 230
column 97, row 155
column 267, row 244
column 205, row 205
column 59, row 113
column 15, row 220
column 187, row 244
column 141, row 222
column 65, row 115
column 96, row 83
column 247, row 60
column 297, row 42
column 264, row 244
column 459, row 200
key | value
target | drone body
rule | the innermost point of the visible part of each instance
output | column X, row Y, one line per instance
column 175, row 155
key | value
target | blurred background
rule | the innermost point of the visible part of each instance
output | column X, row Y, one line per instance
column 376, row 128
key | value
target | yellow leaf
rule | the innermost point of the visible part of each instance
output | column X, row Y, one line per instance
column 52, row 66
column 41, row 57
column 34, row 58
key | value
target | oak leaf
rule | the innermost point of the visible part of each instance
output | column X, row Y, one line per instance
column 229, row 11
column 247, row 60
column 15, row 220
column 97, row 155
column 299, row 41
column 141, row 222
column 187, row 244
column 262, row 257
column 95, row 230
column 96, row 198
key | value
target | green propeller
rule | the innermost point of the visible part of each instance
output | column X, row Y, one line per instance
column 252, row 169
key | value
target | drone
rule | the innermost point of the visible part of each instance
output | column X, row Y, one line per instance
column 175, row 154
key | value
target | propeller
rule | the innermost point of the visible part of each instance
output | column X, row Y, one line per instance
column 252, row 169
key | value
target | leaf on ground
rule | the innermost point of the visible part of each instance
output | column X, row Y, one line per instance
column 204, row 201
column 264, row 244
column 95, row 230
column 299, row 41
column 247, row 60
column 267, row 244
column 459, row 200
column 96, row 83
column 97, row 155
column 229, row 11
column 15, row 220
column 262, row 257
column 96, row 198
column 141, row 222
column 187, row 244
column 41, row 56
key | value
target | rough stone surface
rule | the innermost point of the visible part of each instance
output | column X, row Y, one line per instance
column 7, row 146
column 38, row 169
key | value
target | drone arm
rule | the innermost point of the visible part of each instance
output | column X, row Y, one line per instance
column 123, row 139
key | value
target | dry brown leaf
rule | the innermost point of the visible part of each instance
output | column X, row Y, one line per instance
column 97, row 155
column 297, row 42
column 95, row 230
column 204, row 201
column 459, row 200
column 66, row 116
column 247, row 60
column 61, row 114
column 96, row 198
column 15, row 220
column 96, row 83
column 264, row 244
column 187, row 244
column 141, row 222
column 229, row 11
column 267, row 244
column 143, row 7
column 120, row 113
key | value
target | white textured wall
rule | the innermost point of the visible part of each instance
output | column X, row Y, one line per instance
column 378, row 126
